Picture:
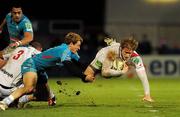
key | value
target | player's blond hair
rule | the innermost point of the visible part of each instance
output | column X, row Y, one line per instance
column 130, row 43
column 73, row 37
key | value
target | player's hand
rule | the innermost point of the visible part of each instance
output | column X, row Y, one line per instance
column 125, row 68
column 12, row 45
column 147, row 98
column 16, row 44
column 90, row 78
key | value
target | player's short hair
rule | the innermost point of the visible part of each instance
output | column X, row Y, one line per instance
column 36, row 44
column 130, row 43
column 16, row 4
column 73, row 37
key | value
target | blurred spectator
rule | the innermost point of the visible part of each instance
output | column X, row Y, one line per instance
column 163, row 47
column 145, row 46
column 176, row 49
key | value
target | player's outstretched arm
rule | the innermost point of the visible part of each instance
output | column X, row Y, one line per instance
column 77, row 71
column 141, row 73
column 28, row 37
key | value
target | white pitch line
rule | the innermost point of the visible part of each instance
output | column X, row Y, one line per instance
column 154, row 111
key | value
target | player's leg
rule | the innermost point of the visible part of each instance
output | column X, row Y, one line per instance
column 29, row 81
column 5, row 92
column 43, row 89
column 42, row 93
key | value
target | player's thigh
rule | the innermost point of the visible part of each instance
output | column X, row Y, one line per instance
column 30, row 79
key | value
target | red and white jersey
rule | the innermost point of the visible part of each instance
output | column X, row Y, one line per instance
column 137, row 61
column 10, row 74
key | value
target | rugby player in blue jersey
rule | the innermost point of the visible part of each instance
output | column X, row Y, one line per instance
column 19, row 28
column 63, row 55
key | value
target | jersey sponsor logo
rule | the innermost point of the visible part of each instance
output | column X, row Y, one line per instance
column 136, row 60
column 28, row 26
column 98, row 64
column 7, row 73
column 47, row 57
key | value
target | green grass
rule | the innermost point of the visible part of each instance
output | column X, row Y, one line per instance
column 118, row 97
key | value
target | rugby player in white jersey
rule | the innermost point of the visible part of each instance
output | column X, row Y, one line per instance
column 125, row 55
column 10, row 73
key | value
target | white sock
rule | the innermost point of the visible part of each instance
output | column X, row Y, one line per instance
column 51, row 94
column 24, row 99
column 8, row 100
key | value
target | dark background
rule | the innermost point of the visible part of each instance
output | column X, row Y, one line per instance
column 91, row 12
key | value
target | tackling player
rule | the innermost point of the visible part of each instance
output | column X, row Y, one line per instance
column 125, row 53
column 62, row 54
column 10, row 73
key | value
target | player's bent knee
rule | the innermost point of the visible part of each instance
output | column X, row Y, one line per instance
column 29, row 89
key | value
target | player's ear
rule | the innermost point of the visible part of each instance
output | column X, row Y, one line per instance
column 70, row 44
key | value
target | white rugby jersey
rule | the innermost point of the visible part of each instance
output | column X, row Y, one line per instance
column 101, row 56
column 10, row 74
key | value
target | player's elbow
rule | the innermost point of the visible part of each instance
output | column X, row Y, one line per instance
column 28, row 36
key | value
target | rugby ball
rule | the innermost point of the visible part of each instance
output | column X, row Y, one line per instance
column 118, row 64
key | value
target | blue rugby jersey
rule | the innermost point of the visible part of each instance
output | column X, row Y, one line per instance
column 16, row 30
column 54, row 56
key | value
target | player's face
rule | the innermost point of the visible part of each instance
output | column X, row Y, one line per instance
column 126, row 53
column 75, row 47
column 16, row 14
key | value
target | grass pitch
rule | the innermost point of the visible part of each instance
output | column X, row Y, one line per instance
column 116, row 97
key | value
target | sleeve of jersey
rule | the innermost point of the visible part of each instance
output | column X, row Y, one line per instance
column 141, row 73
column 75, row 56
column 66, row 55
column 8, row 16
column 27, row 27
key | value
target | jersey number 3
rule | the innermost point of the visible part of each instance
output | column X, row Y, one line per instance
column 18, row 54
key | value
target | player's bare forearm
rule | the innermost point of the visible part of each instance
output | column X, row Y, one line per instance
column 89, row 71
column 28, row 37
